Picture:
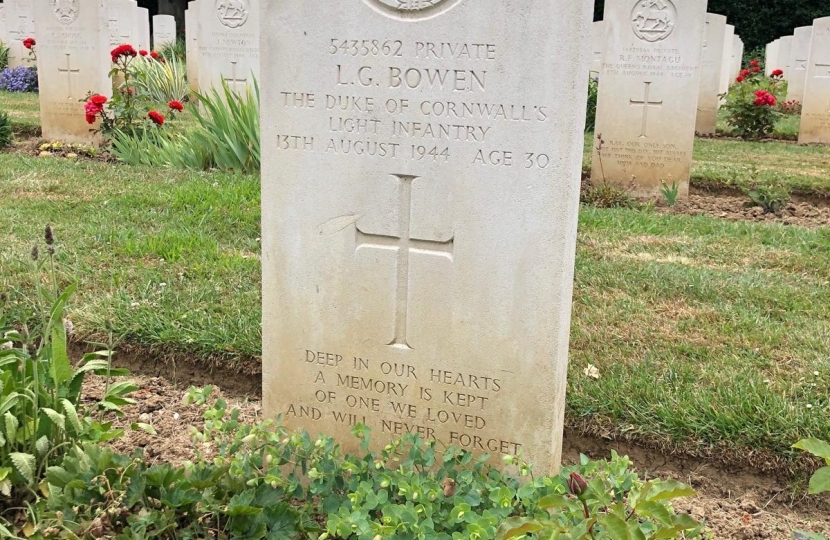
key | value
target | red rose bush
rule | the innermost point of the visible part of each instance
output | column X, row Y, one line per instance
column 753, row 101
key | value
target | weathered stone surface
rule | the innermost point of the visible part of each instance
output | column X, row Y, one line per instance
column 228, row 43
column 799, row 57
column 4, row 35
column 710, row 72
column 648, row 94
column 20, row 24
column 420, row 197
column 122, row 23
column 142, row 29
column 737, row 56
column 73, row 42
column 191, row 31
column 770, row 58
column 815, row 115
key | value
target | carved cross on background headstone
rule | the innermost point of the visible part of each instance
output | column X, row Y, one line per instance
column 234, row 80
column 404, row 244
column 645, row 104
column 69, row 72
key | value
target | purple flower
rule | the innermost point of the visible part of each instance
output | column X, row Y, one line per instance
column 19, row 79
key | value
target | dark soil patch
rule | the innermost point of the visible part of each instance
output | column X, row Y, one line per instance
column 734, row 502
column 733, row 208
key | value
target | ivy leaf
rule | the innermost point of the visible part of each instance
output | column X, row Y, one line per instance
column 820, row 482
column 25, row 465
column 816, row 447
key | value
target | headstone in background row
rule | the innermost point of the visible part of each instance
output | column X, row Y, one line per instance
column 647, row 104
column 142, row 29
column 228, row 44
column 737, row 56
column 710, row 70
column 4, row 36
column 597, row 36
column 785, row 45
column 420, row 202
column 191, row 33
column 164, row 31
column 20, row 24
column 726, row 78
column 73, row 42
column 122, row 17
column 772, row 57
column 815, row 114
column 799, row 56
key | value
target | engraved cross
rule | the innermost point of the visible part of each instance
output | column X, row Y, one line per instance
column 403, row 244
column 69, row 72
column 645, row 104
column 823, row 71
column 234, row 80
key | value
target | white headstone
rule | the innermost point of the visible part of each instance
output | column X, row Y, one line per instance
column 164, row 31
column 737, row 56
column 191, row 32
column 815, row 114
column 228, row 43
column 597, row 37
column 142, row 29
column 710, row 72
column 420, row 203
column 772, row 57
column 73, row 61
column 726, row 78
column 785, row 46
column 4, row 36
column 799, row 56
column 647, row 102
column 122, row 17
column 20, row 24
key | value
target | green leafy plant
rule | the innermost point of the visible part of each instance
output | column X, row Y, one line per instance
column 670, row 193
column 41, row 414
column 4, row 56
column 174, row 50
column 263, row 482
column 613, row 504
column 820, row 482
column 593, row 92
column 5, row 130
column 161, row 81
column 771, row 197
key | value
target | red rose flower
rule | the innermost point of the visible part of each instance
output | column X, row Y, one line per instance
column 157, row 118
column 754, row 63
column 98, row 99
column 176, row 105
column 740, row 78
column 142, row 52
column 745, row 72
column 90, row 118
column 29, row 42
column 777, row 72
column 764, row 98
column 154, row 55
column 122, row 51
column 756, row 69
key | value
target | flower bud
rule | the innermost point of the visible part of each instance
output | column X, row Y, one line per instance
column 577, row 484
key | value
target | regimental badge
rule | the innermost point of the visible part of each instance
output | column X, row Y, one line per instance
column 413, row 9
column 66, row 11
column 232, row 13
column 653, row 20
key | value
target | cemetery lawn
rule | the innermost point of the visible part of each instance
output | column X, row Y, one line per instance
column 709, row 336
column 23, row 110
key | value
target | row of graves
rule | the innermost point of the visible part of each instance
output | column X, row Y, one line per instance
column 421, row 181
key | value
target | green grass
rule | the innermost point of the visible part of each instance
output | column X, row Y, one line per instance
column 23, row 109
column 706, row 333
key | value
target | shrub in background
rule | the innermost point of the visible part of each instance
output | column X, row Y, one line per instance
column 751, row 103
column 176, row 50
column 19, row 79
column 4, row 56
column 5, row 130
column 593, row 91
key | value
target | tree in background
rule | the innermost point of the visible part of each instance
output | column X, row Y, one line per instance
column 759, row 22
